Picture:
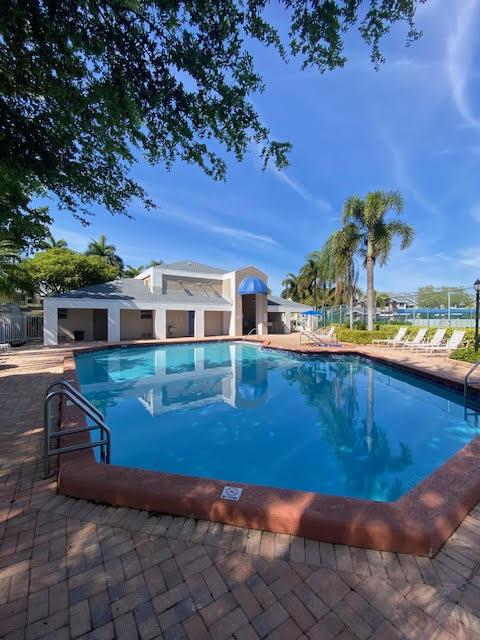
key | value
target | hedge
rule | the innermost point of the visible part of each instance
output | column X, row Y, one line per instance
column 467, row 355
column 360, row 336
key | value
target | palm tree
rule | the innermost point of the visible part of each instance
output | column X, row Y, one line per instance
column 372, row 235
column 131, row 272
column 52, row 243
column 291, row 289
column 101, row 248
column 344, row 246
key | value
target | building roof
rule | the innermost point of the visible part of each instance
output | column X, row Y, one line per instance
column 133, row 289
column 194, row 267
column 401, row 298
column 275, row 301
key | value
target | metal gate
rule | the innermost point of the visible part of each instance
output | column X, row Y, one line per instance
column 16, row 328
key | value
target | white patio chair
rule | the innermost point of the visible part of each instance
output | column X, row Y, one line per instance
column 393, row 341
column 419, row 339
column 436, row 341
column 454, row 342
column 325, row 334
column 5, row 348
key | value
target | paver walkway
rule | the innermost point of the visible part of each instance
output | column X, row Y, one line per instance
column 74, row 569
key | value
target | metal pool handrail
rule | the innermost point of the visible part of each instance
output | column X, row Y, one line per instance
column 79, row 396
column 254, row 330
column 91, row 412
column 465, row 381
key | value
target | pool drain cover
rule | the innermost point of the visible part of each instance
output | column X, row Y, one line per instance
column 231, row 493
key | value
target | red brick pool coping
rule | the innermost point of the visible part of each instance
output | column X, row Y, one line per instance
column 419, row 522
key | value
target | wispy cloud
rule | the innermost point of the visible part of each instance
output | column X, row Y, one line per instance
column 320, row 203
column 474, row 211
column 75, row 239
column 293, row 184
column 201, row 221
column 434, row 257
column 470, row 257
column 239, row 234
column 460, row 44
column 404, row 179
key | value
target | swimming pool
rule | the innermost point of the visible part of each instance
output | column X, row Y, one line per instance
column 338, row 425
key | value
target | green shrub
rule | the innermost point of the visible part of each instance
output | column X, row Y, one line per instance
column 384, row 332
column 467, row 355
column 361, row 336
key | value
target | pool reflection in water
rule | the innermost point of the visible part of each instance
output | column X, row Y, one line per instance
column 338, row 425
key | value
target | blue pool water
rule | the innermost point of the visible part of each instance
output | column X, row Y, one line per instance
column 339, row 425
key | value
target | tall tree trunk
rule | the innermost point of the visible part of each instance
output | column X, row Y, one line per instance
column 351, row 306
column 370, row 408
column 370, row 287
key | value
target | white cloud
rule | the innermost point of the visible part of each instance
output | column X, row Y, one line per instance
column 434, row 257
column 293, row 184
column 320, row 203
column 475, row 212
column 404, row 180
column 75, row 239
column 460, row 45
column 174, row 213
column 470, row 257
column 239, row 234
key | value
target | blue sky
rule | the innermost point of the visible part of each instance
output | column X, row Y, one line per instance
column 413, row 126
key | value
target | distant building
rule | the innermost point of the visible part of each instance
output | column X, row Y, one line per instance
column 398, row 301
column 168, row 301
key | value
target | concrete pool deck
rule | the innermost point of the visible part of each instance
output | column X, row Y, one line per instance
column 71, row 568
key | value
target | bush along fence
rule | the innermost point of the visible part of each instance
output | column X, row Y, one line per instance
column 383, row 332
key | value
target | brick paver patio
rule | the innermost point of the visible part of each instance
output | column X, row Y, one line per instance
column 74, row 569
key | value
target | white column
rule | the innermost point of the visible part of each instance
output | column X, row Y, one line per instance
column 199, row 357
column 113, row 324
column 288, row 321
column 199, row 330
column 261, row 314
column 50, row 322
column 160, row 320
column 160, row 362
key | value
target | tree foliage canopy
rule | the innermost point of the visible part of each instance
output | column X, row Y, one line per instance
column 60, row 270
column 437, row 297
column 88, row 85
column 105, row 250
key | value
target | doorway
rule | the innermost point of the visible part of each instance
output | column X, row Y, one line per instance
column 191, row 323
column 100, row 324
column 249, row 313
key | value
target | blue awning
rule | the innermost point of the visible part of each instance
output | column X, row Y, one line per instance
column 251, row 285
column 312, row 313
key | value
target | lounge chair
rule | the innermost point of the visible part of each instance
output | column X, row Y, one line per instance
column 323, row 334
column 320, row 340
column 436, row 341
column 418, row 340
column 5, row 348
column 393, row 341
column 454, row 342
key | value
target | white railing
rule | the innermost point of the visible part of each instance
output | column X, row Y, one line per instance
column 16, row 328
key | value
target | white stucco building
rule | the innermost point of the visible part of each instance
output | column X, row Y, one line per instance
column 169, row 301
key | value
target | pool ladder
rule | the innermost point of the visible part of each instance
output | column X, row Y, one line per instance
column 65, row 389
column 465, row 394
column 254, row 330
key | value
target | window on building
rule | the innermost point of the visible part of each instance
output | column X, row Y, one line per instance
column 62, row 314
column 146, row 315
